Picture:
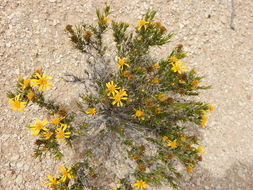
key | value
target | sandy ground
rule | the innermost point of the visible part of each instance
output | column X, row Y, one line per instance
column 32, row 36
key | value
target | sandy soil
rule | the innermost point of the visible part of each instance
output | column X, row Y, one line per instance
column 32, row 36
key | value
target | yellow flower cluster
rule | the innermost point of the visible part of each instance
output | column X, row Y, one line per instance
column 27, row 90
column 66, row 174
column 117, row 93
column 173, row 144
column 59, row 129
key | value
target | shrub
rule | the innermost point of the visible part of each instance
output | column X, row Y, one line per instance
column 139, row 113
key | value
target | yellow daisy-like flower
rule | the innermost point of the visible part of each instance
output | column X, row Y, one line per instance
column 26, row 83
column 203, row 120
column 142, row 23
column 122, row 92
column 91, row 111
column 156, row 66
column 165, row 138
column 177, row 67
column 195, row 84
column 53, row 180
column 189, row 169
column 56, row 120
column 30, row 95
column 105, row 20
column 112, row 88
column 119, row 97
column 181, row 81
column 161, row 97
column 183, row 138
column 173, row 59
column 115, row 188
column 200, row 149
column 140, row 185
column 139, row 38
column 38, row 126
column 157, row 110
column 121, row 63
column 61, row 134
column 17, row 104
column 66, row 173
column 42, row 82
column 173, row 144
column 138, row 113
column 47, row 135
column 211, row 107
column 155, row 80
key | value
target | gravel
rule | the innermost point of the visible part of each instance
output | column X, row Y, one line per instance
column 32, row 36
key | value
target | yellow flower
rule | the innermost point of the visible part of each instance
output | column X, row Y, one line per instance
column 127, row 75
column 121, row 63
column 200, row 149
column 91, row 111
column 56, row 120
column 115, row 188
column 66, row 173
column 172, row 144
column 61, row 134
column 26, row 83
column 42, row 82
column 156, row 66
column 16, row 104
column 141, row 23
column 138, row 113
column 183, row 138
column 38, row 126
column 47, row 135
column 112, row 88
column 105, row 20
column 53, row 180
column 203, row 120
column 177, row 68
column 122, row 92
column 118, row 97
column 211, row 107
column 157, row 110
column 30, row 95
column 195, row 83
column 173, row 59
column 20, row 78
column 140, row 185
column 181, row 81
column 189, row 169
column 155, row 80
column 161, row 97
column 139, row 38
column 165, row 138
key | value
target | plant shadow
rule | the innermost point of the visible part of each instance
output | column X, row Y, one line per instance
column 238, row 177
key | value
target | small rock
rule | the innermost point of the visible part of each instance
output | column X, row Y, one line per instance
column 19, row 179
column 19, row 165
column 14, row 157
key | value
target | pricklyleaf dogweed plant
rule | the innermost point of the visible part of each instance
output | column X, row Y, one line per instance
column 139, row 114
